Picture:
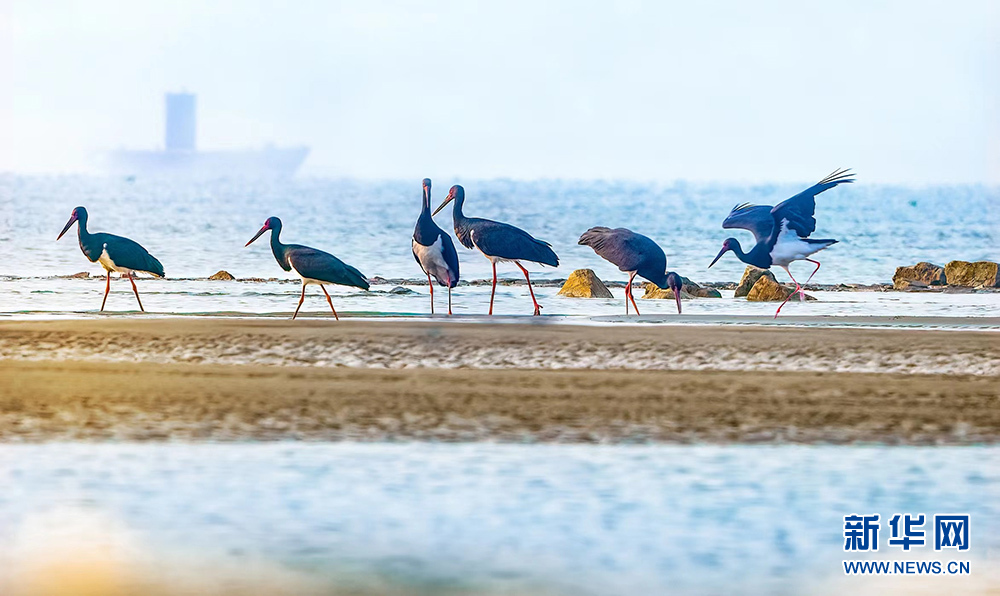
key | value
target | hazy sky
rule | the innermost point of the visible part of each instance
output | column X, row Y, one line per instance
column 901, row 91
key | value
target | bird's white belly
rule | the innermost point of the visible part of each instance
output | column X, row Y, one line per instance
column 790, row 247
column 431, row 257
column 308, row 280
column 109, row 265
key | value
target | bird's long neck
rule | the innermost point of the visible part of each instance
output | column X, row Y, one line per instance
column 463, row 226
column 277, row 248
column 427, row 202
column 456, row 212
column 738, row 251
column 81, row 228
column 86, row 238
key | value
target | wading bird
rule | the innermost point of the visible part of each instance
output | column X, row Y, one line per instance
column 313, row 266
column 782, row 232
column 433, row 249
column 114, row 253
column 498, row 242
column 634, row 254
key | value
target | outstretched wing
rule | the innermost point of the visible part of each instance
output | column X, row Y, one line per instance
column 316, row 264
column 798, row 211
column 497, row 239
column 626, row 249
column 130, row 254
column 754, row 218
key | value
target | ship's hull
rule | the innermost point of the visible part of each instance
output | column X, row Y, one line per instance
column 257, row 163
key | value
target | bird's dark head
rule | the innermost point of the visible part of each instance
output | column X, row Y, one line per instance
column 79, row 214
column 272, row 223
column 456, row 193
column 676, row 284
column 727, row 245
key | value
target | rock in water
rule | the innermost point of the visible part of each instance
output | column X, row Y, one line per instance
column 689, row 289
column 655, row 293
column 584, row 283
column 222, row 275
column 750, row 276
column 905, row 285
column 696, row 291
column 768, row 290
column 974, row 275
column 922, row 274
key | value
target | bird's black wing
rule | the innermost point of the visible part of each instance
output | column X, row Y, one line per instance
column 450, row 256
column 754, row 218
column 129, row 254
column 497, row 239
column 626, row 249
column 316, row 264
column 798, row 211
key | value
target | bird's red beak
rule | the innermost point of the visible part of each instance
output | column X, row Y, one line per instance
column 72, row 218
column 724, row 250
column 263, row 229
column 447, row 200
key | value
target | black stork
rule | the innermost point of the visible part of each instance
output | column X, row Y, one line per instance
column 114, row 253
column 634, row 254
column 782, row 232
column 498, row 242
column 313, row 266
column 433, row 249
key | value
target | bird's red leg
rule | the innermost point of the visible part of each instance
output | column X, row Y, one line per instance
column 431, row 285
column 136, row 291
column 494, row 292
column 802, row 294
column 331, row 301
column 627, row 285
column 301, row 300
column 538, row 306
column 798, row 288
column 814, row 270
column 630, row 295
column 107, row 288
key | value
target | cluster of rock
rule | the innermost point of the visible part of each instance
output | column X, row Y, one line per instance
column 923, row 275
column 223, row 275
column 584, row 283
column 759, row 285
column 689, row 289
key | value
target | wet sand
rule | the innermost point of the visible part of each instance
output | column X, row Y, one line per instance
column 230, row 379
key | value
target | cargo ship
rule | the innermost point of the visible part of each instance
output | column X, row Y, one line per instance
column 181, row 157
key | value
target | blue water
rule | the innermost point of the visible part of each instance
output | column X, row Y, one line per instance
column 197, row 229
column 429, row 519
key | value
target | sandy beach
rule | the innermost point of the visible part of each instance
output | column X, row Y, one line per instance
column 252, row 379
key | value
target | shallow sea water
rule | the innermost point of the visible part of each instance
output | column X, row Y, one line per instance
column 487, row 518
column 48, row 297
